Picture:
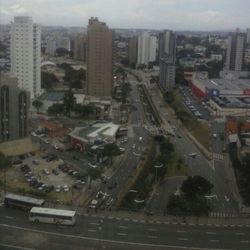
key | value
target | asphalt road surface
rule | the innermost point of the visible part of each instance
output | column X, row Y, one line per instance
column 91, row 232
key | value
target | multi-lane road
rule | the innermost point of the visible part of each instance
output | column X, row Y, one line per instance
column 107, row 232
column 225, row 201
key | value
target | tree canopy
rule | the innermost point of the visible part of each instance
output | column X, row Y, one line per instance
column 37, row 104
column 56, row 109
column 196, row 186
column 48, row 80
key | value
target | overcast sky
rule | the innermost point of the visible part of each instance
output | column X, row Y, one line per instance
column 151, row 14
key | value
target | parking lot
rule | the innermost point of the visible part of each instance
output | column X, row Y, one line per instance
column 197, row 107
column 46, row 173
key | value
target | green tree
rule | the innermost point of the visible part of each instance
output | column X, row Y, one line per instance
column 196, row 186
column 111, row 150
column 48, row 80
column 169, row 97
column 62, row 52
column 37, row 104
column 5, row 163
column 56, row 109
column 69, row 102
column 94, row 174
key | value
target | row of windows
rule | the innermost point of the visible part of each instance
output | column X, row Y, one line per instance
column 51, row 216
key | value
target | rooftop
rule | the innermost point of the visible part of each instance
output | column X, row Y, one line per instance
column 94, row 131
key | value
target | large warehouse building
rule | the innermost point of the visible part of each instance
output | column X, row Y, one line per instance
column 227, row 95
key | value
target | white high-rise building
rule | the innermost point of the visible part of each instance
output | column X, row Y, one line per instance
column 152, row 48
column 147, row 46
column 25, row 50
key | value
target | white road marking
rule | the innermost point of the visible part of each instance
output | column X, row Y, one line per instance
column 152, row 236
column 244, row 241
column 182, row 238
column 181, row 231
column 94, row 223
column 210, row 232
column 152, row 229
column 91, row 230
column 104, row 240
column 121, row 234
column 8, row 217
column 125, row 227
column 214, row 240
column 16, row 247
column 240, row 234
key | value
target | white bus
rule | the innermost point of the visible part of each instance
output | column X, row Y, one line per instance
column 49, row 215
column 23, row 202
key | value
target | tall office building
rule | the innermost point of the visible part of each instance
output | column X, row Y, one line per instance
column 99, row 59
column 248, row 36
column 147, row 46
column 25, row 50
column 167, row 57
column 132, row 50
column 235, row 51
column 78, row 47
column 14, row 108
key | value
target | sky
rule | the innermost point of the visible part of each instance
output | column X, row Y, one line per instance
column 146, row 14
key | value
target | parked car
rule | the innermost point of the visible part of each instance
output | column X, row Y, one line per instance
column 58, row 188
column 78, row 186
column 46, row 171
column 65, row 188
column 54, row 172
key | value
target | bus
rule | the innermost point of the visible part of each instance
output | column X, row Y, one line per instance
column 51, row 215
column 22, row 202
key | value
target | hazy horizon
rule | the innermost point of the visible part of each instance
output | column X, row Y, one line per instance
column 183, row 15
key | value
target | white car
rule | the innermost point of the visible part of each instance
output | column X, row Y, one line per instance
column 92, row 165
column 65, row 188
column 122, row 149
column 58, row 188
column 133, row 146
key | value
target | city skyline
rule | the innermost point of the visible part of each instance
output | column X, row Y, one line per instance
column 150, row 14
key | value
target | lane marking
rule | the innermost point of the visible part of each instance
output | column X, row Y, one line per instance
column 214, row 240
column 240, row 234
column 106, row 240
column 94, row 223
column 244, row 241
column 8, row 217
column 152, row 229
column 181, row 231
column 16, row 247
column 152, row 236
column 210, row 232
column 125, row 227
column 182, row 238
column 121, row 234
column 92, row 230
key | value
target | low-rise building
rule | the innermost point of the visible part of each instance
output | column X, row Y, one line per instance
column 80, row 137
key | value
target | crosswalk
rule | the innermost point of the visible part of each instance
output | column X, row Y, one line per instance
column 221, row 215
column 218, row 157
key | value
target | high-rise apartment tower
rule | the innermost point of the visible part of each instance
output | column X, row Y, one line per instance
column 167, row 57
column 235, row 51
column 25, row 50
